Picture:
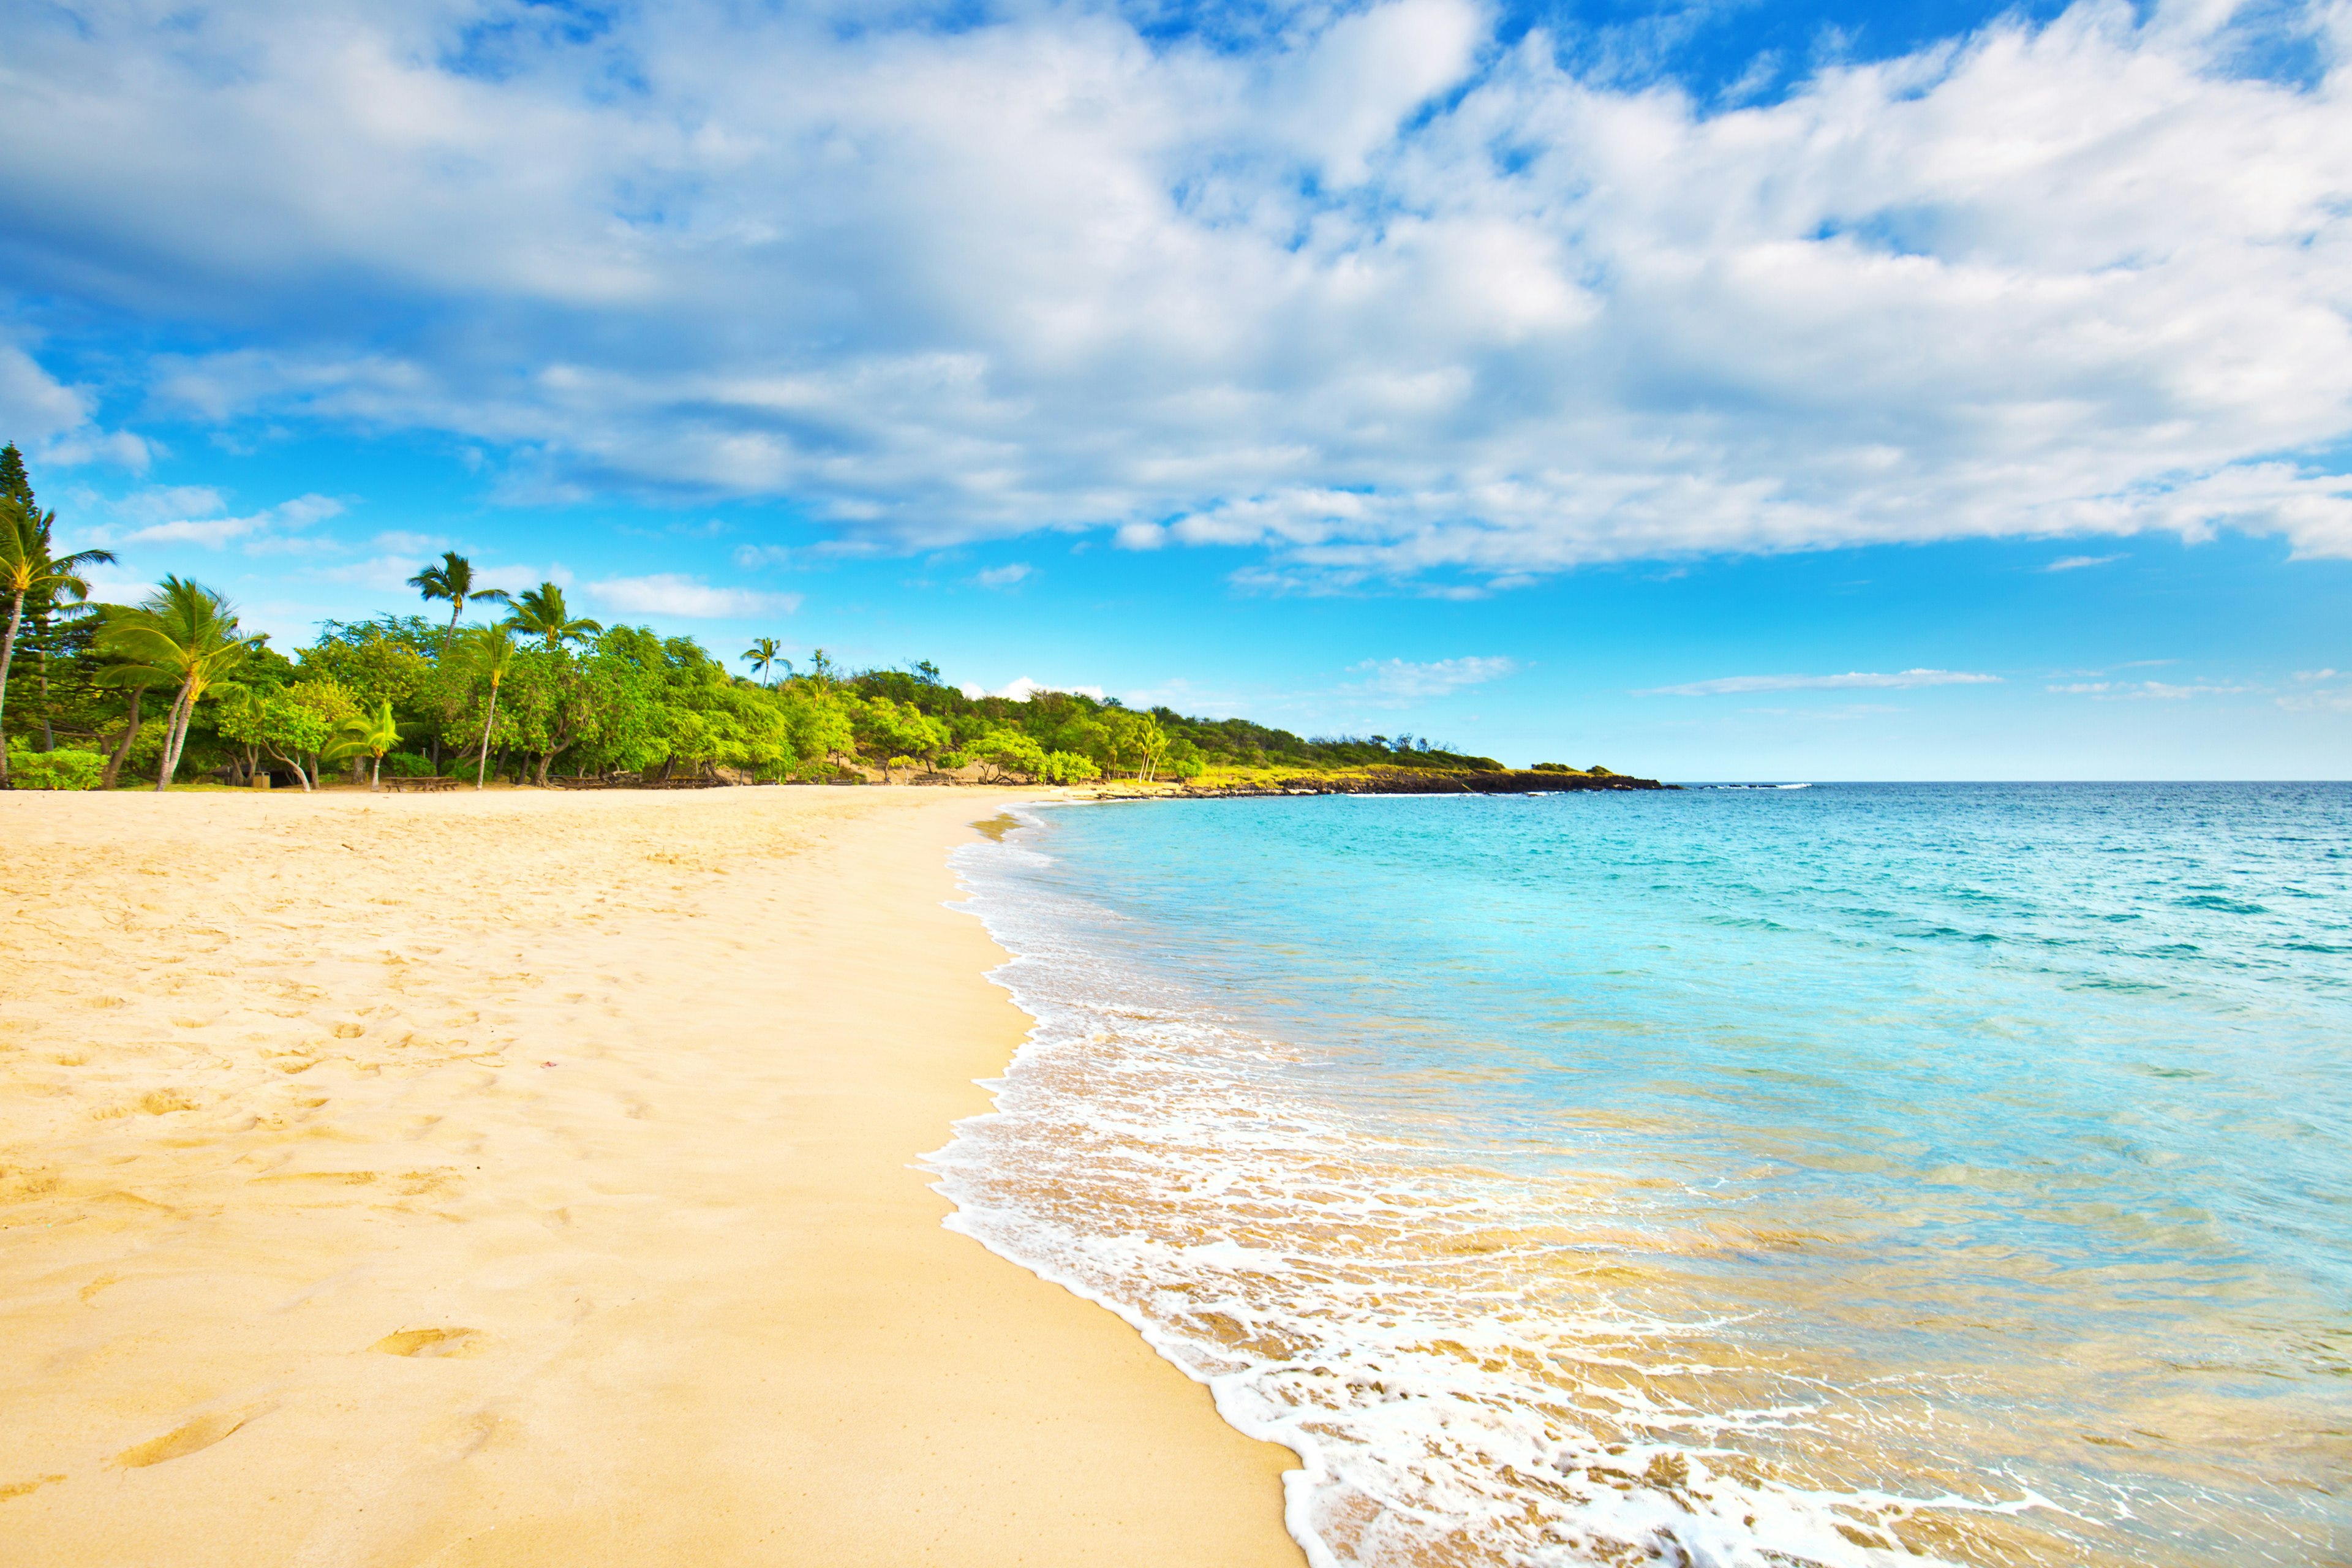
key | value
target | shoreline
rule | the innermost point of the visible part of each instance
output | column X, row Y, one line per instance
column 387, row 1180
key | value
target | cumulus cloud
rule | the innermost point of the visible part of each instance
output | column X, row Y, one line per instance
column 1738, row 685
column 384, row 573
column 675, row 594
column 57, row 421
column 1399, row 683
column 192, row 520
column 1381, row 296
column 1021, row 689
column 2077, row 562
column 1004, row 576
column 111, row 585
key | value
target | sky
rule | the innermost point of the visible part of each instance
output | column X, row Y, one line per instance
column 1712, row 391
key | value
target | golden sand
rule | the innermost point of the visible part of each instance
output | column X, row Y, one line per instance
column 524, row 1178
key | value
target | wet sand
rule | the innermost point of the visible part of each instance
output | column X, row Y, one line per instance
column 525, row 1178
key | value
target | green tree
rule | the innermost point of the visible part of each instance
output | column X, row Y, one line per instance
column 453, row 580
column 368, row 735
column 489, row 655
column 624, row 678
column 184, row 635
column 294, row 724
column 819, row 728
column 379, row 660
column 132, row 680
column 29, row 570
column 1136, row 742
column 764, row 655
column 15, row 483
column 56, row 648
column 540, row 612
column 897, row 731
column 1004, row 752
column 550, row 705
column 1068, row 768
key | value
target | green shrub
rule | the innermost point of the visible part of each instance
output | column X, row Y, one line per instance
column 60, row 769
column 407, row 765
column 1067, row 768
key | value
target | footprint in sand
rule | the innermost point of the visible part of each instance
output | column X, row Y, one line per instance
column 429, row 1342
column 19, row 1488
column 181, row 1441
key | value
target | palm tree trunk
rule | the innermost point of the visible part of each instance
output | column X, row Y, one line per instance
column 164, row 752
column 187, row 721
column 123, row 747
column 482, row 769
column 182, row 706
column 48, row 736
column 7, row 656
column 375, row 776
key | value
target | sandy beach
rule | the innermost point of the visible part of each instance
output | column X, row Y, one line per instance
column 527, row 1178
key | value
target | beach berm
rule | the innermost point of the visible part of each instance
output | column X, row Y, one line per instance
column 528, row 1178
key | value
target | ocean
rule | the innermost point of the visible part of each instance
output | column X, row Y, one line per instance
column 1847, row 1175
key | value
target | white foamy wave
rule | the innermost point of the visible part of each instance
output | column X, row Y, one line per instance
column 1473, row 1368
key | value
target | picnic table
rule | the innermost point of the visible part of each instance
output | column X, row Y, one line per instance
column 427, row 786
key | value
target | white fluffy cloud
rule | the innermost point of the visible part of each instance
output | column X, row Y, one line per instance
column 195, row 514
column 675, row 594
column 56, row 420
column 1383, row 297
column 1852, row 680
column 1020, row 689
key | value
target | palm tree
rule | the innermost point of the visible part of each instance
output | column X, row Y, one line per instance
column 186, row 635
column 372, row 735
column 764, row 655
column 27, row 570
column 540, row 612
column 453, row 580
column 490, row 650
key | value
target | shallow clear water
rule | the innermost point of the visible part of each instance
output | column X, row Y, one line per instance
column 1849, row 1174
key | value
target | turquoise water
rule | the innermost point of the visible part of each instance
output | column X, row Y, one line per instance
column 1841, row 1175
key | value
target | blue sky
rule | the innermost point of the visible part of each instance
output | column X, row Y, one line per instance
column 1718, row 391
